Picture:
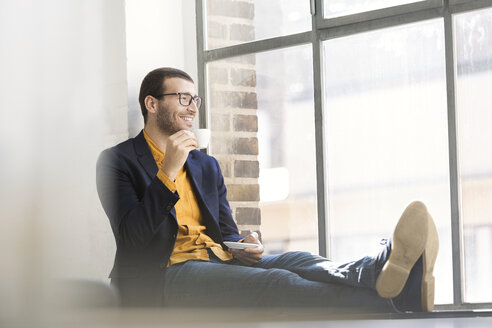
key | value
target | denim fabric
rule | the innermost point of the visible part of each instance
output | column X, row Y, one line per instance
column 293, row 279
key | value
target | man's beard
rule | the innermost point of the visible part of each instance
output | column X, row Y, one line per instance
column 166, row 122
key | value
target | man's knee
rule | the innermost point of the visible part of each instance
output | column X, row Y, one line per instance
column 297, row 256
column 301, row 254
column 280, row 277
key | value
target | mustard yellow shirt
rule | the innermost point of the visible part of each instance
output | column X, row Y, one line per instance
column 191, row 241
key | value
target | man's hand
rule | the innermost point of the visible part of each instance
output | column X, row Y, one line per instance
column 178, row 147
column 251, row 255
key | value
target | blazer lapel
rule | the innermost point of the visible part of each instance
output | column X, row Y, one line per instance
column 144, row 155
column 195, row 172
column 145, row 158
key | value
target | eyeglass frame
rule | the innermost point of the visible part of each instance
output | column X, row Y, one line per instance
column 192, row 98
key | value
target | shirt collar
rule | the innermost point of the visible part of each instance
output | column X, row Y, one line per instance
column 156, row 152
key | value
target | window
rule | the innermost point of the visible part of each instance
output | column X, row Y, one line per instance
column 235, row 22
column 327, row 125
column 386, row 137
column 284, row 107
column 339, row 8
column 474, row 117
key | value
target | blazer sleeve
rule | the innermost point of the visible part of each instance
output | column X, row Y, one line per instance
column 134, row 219
column 228, row 227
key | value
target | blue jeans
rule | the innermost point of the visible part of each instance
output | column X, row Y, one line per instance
column 293, row 279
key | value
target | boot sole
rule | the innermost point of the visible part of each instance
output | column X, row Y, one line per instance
column 429, row 259
column 408, row 244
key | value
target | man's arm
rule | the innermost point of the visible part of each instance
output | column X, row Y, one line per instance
column 229, row 229
column 250, row 255
column 134, row 221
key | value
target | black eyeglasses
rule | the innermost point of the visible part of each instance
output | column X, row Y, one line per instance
column 185, row 99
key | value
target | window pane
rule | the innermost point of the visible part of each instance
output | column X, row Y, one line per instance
column 234, row 22
column 474, row 112
column 283, row 84
column 337, row 8
column 386, row 138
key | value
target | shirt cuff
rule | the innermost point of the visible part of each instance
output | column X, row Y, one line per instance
column 166, row 181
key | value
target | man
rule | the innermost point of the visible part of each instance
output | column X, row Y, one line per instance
column 168, row 210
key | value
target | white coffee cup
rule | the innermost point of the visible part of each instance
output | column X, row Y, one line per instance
column 202, row 137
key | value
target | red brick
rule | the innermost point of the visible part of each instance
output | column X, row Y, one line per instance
column 242, row 32
column 245, row 146
column 221, row 145
column 225, row 167
column 227, row 99
column 248, row 215
column 244, row 233
column 243, row 192
column 218, row 74
column 246, row 169
column 229, row 8
column 220, row 122
column 243, row 77
column 250, row 100
column 248, row 123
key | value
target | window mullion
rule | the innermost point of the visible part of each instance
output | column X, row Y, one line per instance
column 323, row 230
column 464, row 5
column 401, row 10
column 201, row 67
column 456, row 226
column 385, row 22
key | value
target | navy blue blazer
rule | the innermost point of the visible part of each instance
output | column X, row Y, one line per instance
column 141, row 212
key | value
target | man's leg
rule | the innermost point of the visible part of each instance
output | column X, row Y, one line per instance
column 359, row 273
column 299, row 278
column 200, row 283
column 402, row 271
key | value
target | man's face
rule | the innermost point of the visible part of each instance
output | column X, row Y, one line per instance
column 171, row 115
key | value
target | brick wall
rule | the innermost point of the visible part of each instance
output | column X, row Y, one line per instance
column 233, row 109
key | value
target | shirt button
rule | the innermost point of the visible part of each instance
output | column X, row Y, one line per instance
column 162, row 265
column 174, row 236
column 168, row 207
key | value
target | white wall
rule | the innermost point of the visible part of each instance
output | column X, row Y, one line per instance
column 64, row 99
column 159, row 33
column 63, row 88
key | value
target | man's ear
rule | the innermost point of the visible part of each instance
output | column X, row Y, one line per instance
column 151, row 104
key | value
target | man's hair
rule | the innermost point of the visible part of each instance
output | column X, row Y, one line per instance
column 152, row 84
